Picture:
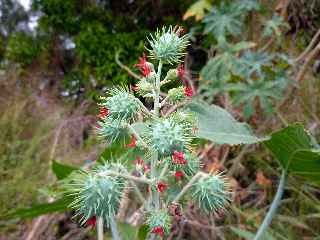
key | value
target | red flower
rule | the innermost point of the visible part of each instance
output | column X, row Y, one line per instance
column 178, row 158
column 146, row 168
column 133, row 142
column 161, row 187
column 181, row 71
column 92, row 221
column 178, row 175
column 104, row 112
column 143, row 66
column 139, row 161
column 158, row 230
column 98, row 126
column 188, row 91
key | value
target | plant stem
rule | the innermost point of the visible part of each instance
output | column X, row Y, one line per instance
column 100, row 229
column 157, row 91
column 137, row 136
column 114, row 229
column 126, row 176
column 273, row 208
column 186, row 187
column 155, row 195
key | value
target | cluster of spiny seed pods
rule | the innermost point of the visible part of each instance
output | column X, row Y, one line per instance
column 168, row 164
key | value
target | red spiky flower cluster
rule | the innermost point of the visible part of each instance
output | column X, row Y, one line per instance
column 179, row 175
column 133, row 142
column 161, row 187
column 103, row 113
column 188, row 91
column 178, row 158
column 158, row 230
column 92, row 221
column 143, row 66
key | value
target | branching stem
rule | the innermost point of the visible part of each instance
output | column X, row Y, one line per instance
column 129, row 177
column 273, row 208
column 137, row 136
column 186, row 187
column 100, row 229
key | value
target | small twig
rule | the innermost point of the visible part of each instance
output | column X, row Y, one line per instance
column 164, row 170
column 137, row 136
column 125, row 67
column 133, row 178
column 314, row 53
column 309, row 48
column 174, row 108
column 186, row 187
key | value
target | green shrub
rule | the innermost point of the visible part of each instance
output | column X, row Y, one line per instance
column 22, row 48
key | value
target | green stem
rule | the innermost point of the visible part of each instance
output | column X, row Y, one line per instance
column 137, row 136
column 100, row 229
column 114, row 229
column 273, row 208
column 129, row 177
column 186, row 187
column 157, row 91
column 155, row 195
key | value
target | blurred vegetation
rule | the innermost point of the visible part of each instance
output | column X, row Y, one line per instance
column 71, row 53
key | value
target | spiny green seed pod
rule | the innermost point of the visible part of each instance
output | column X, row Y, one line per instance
column 110, row 131
column 176, row 95
column 167, row 136
column 96, row 194
column 186, row 118
column 172, row 74
column 160, row 219
column 121, row 105
column 189, row 169
column 167, row 45
column 211, row 192
column 144, row 87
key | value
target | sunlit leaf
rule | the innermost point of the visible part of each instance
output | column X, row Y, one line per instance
column 217, row 125
column 198, row 10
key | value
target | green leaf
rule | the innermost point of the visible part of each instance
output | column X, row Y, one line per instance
column 273, row 26
column 249, row 235
column 61, row 170
column 143, row 232
column 217, row 125
column 292, row 146
column 60, row 205
column 223, row 21
column 306, row 164
column 198, row 9
column 243, row 233
column 287, row 141
column 127, row 231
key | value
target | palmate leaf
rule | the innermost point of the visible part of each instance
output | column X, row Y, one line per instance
column 217, row 125
column 292, row 146
column 198, row 10
column 223, row 21
column 263, row 90
column 253, row 62
column 273, row 26
column 247, row 5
